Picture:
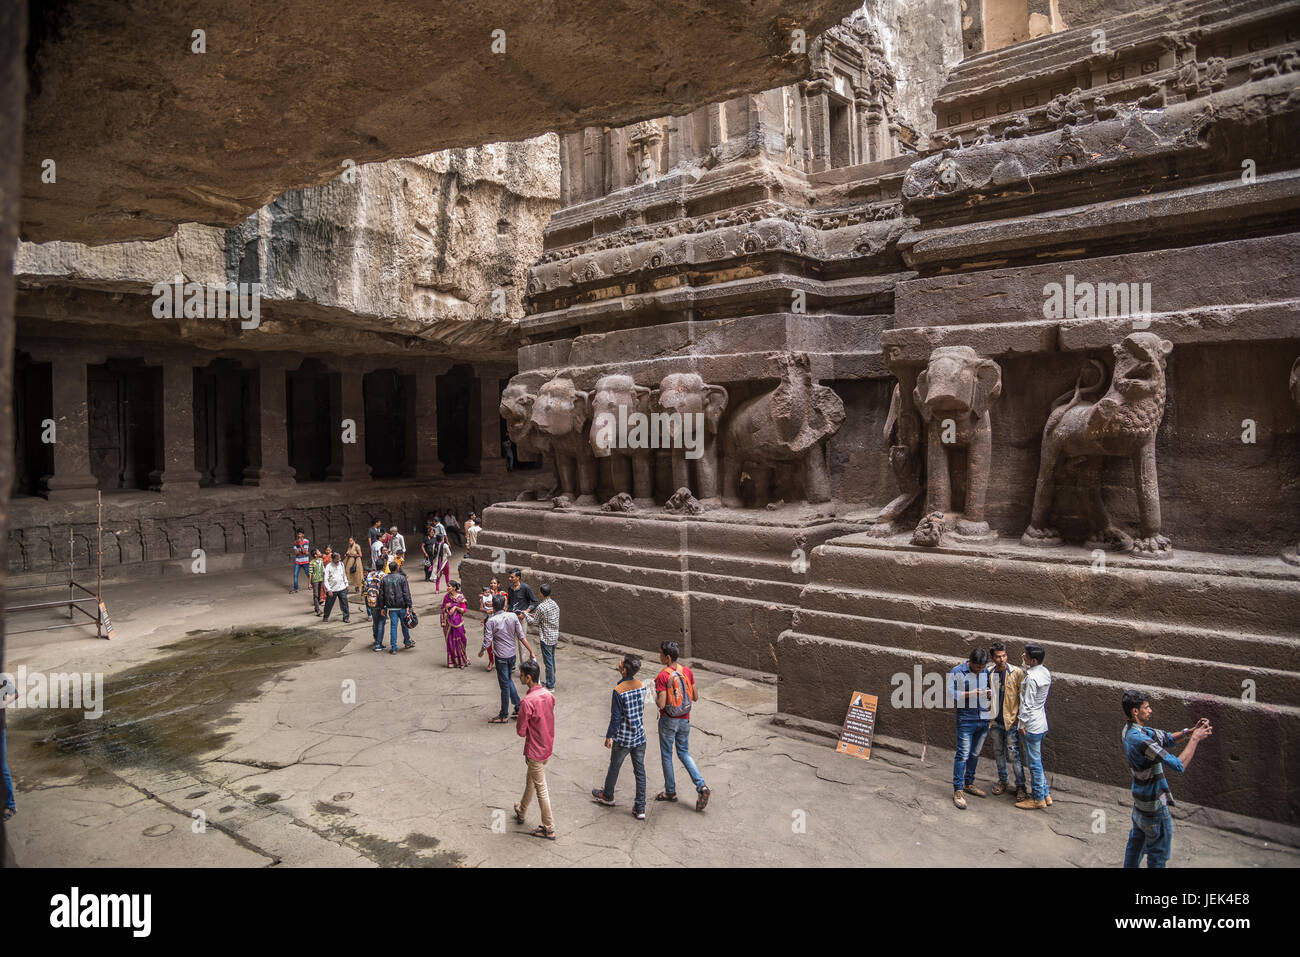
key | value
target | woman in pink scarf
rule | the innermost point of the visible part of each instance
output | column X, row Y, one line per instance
column 453, row 626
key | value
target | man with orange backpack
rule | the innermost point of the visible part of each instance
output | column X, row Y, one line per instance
column 674, row 693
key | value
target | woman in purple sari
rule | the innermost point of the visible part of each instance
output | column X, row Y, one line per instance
column 453, row 626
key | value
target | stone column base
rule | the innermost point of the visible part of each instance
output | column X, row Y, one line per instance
column 269, row 477
column 171, row 480
column 69, row 488
column 493, row 466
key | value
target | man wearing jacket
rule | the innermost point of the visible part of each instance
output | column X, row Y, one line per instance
column 395, row 596
column 1005, row 680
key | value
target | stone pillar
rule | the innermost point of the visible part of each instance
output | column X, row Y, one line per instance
column 488, row 388
column 268, row 430
column 348, row 404
column 422, row 425
column 72, row 478
column 176, row 421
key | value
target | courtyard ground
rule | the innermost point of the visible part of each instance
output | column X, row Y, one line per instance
column 227, row 741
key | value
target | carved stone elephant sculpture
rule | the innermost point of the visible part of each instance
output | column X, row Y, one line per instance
column 903, row 434
column 1123, row 422
column 559, row 417
column 620, row 431
column 517, row 410
column 695, row 409
column 953, row 395
column 790, row 424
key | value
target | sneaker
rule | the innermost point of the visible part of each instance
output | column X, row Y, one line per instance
column 599, row 795
column 346, row 620
column 1048, row 800
column 1029, row 804
column 978, row 792
column 376, row 647
column 959, row 800
column 409, row 644
column 999, row 788
column 639, row 815
column 702, row 799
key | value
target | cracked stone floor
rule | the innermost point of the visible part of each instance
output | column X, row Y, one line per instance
column 412, row 774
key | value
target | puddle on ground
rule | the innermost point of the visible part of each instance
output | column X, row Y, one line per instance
column 170, row 712
column 174, row 712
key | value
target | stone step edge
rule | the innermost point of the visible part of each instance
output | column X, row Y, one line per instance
column 1281, row 710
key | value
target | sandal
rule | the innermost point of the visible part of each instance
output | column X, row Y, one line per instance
column 665, row 796
column 519, row 815
column 498, row 720
column 702, row 801
column 542, row 832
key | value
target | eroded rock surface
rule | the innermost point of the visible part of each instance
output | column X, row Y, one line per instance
column 146, row 133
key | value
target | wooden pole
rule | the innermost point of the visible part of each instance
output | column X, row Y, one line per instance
column 99, row 564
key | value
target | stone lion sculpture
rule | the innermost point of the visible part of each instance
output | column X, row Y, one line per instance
column 1123, row 422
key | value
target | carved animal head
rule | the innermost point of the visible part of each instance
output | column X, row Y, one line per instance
column 803, row 413
column 559, row 409
column 611, row 393
column 957, row 379
column 517, row 409
column 1140, row 365
column 688, row 393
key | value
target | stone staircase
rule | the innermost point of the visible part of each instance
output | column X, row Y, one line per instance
column 1203, row 634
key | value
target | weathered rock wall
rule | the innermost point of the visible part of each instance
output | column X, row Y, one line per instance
column 418, row 247
column 922, row 39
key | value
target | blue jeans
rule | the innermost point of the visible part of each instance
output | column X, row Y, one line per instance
column 1152, row 835
column 970, row 741
column 548, row 659
column 509, row 696
column 675, row 734
column 296, row 570
column 396, row 616
column 1034, row 750
column 617, row 756
column 5, row 778
column 377, row 624
column 1007, row 744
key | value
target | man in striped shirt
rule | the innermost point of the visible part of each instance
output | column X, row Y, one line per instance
column 626, row 735
column 547, row 617
column 1147, row 754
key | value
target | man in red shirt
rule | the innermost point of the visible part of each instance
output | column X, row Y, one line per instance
column 537, row 727
column 674, row 693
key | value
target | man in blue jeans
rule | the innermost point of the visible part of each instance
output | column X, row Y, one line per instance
column 674, row 693
column 395, row 597
column 1144, row 747
column 968, row 689
column 503, row 634
column 1033, row 724
column 8, row 807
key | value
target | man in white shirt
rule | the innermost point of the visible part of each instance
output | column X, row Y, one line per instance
column 1033, row 723
column 396, row 543
column 336, row 587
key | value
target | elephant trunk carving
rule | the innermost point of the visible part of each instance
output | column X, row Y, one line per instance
column 559, row 418
column 953, row 395
column 694, row 411
column 619, row 408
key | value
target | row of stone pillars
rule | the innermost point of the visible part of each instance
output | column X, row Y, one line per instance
column 268, row 440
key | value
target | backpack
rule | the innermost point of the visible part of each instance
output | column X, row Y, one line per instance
column 372, row 591
column 677, row 697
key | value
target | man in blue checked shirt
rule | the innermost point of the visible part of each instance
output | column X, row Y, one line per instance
column 1147, row 754
column 626, row 735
